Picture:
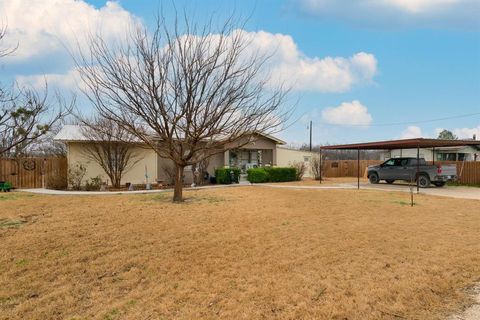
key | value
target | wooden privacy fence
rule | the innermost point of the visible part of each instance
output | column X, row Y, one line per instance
column 468, row 171
column 346, row 168
column 27, row 173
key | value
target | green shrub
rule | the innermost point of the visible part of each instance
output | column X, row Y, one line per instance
column 281, row 174
column 227, row 175
column 271, row 174
column 257, row 175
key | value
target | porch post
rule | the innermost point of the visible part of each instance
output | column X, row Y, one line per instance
column 226, row 158
column 274, row 156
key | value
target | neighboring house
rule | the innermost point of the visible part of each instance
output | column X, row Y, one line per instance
column 466, row 153
column 265, row 150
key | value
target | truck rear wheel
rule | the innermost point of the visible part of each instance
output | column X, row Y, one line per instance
column 423, row 181
column 373, row 178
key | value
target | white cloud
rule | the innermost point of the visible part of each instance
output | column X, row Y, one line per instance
column 411, row 132
column 288, row 66
column 467, row 133
column 324, row 74
column 459, row 13
column 463, row 133
column 44, row 27
column 417, row 6
column 69, row 81
column 348, row 113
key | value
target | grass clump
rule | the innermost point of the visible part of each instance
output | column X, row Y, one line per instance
column 11, row 223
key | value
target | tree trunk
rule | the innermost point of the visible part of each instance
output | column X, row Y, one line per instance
column 178, row 189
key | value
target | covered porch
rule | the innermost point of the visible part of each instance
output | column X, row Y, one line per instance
column 246, row 158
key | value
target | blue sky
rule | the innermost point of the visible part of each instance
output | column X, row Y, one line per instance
column 395, row 61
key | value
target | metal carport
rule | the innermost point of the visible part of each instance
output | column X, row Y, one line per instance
column 415, row 143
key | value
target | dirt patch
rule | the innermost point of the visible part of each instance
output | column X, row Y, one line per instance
column 243, row 252
column 470, row 311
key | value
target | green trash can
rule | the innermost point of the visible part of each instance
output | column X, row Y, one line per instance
column 5, row 186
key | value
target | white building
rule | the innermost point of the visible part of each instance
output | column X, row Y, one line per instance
column 465, row 153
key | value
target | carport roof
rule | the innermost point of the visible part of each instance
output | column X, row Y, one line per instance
column 403, row 144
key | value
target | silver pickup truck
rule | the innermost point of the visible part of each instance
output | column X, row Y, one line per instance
column 406, row 169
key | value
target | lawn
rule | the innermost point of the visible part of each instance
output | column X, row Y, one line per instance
column 237, row 253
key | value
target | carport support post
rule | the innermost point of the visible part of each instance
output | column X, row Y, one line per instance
column 320, row 164
column 418, row 168
column 358, row 168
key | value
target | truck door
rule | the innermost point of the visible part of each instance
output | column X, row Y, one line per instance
column 409, row 169
column 387, row 169
column 405, row 170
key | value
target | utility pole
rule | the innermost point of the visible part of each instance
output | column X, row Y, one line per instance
column 310, row 135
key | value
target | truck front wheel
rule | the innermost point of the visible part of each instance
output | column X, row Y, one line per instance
column 373, row 178
column 423, row 181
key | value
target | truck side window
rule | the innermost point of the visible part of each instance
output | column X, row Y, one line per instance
column 389, row 163
column 398, row 162
column 404, row 162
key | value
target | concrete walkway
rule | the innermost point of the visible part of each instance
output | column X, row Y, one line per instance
column 446, row 191
column 98, row 193
column 453, row 192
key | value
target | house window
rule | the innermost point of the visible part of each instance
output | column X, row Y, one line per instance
column 447, row 156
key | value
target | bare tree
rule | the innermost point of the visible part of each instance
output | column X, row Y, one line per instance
column 26, row 115
column 300, row 169
column 111, row 147
column 200, row 170
column 317, row 166
column 187, row 94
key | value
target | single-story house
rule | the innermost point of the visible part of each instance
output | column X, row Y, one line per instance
column 465, row 153
column 264, row 150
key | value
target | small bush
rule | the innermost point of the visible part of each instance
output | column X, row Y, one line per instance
column 75, row 175
column 271, row 174
column 94, row 184
column 257, row 175
column 300, row 169
column 227, row 175
column 57, row 182
column 281, row 174
column 315, row 165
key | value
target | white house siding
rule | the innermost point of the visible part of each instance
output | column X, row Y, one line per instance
column 136, row 175
column 286, row 158
column 427, row 154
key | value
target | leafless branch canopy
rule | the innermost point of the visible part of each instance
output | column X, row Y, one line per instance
column 111, row 147
column 188, row 91
column 186, row 94
column 5, row 51
column 25, row 114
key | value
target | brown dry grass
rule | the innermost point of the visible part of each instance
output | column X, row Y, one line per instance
column 246, row 252
column 325, row 181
